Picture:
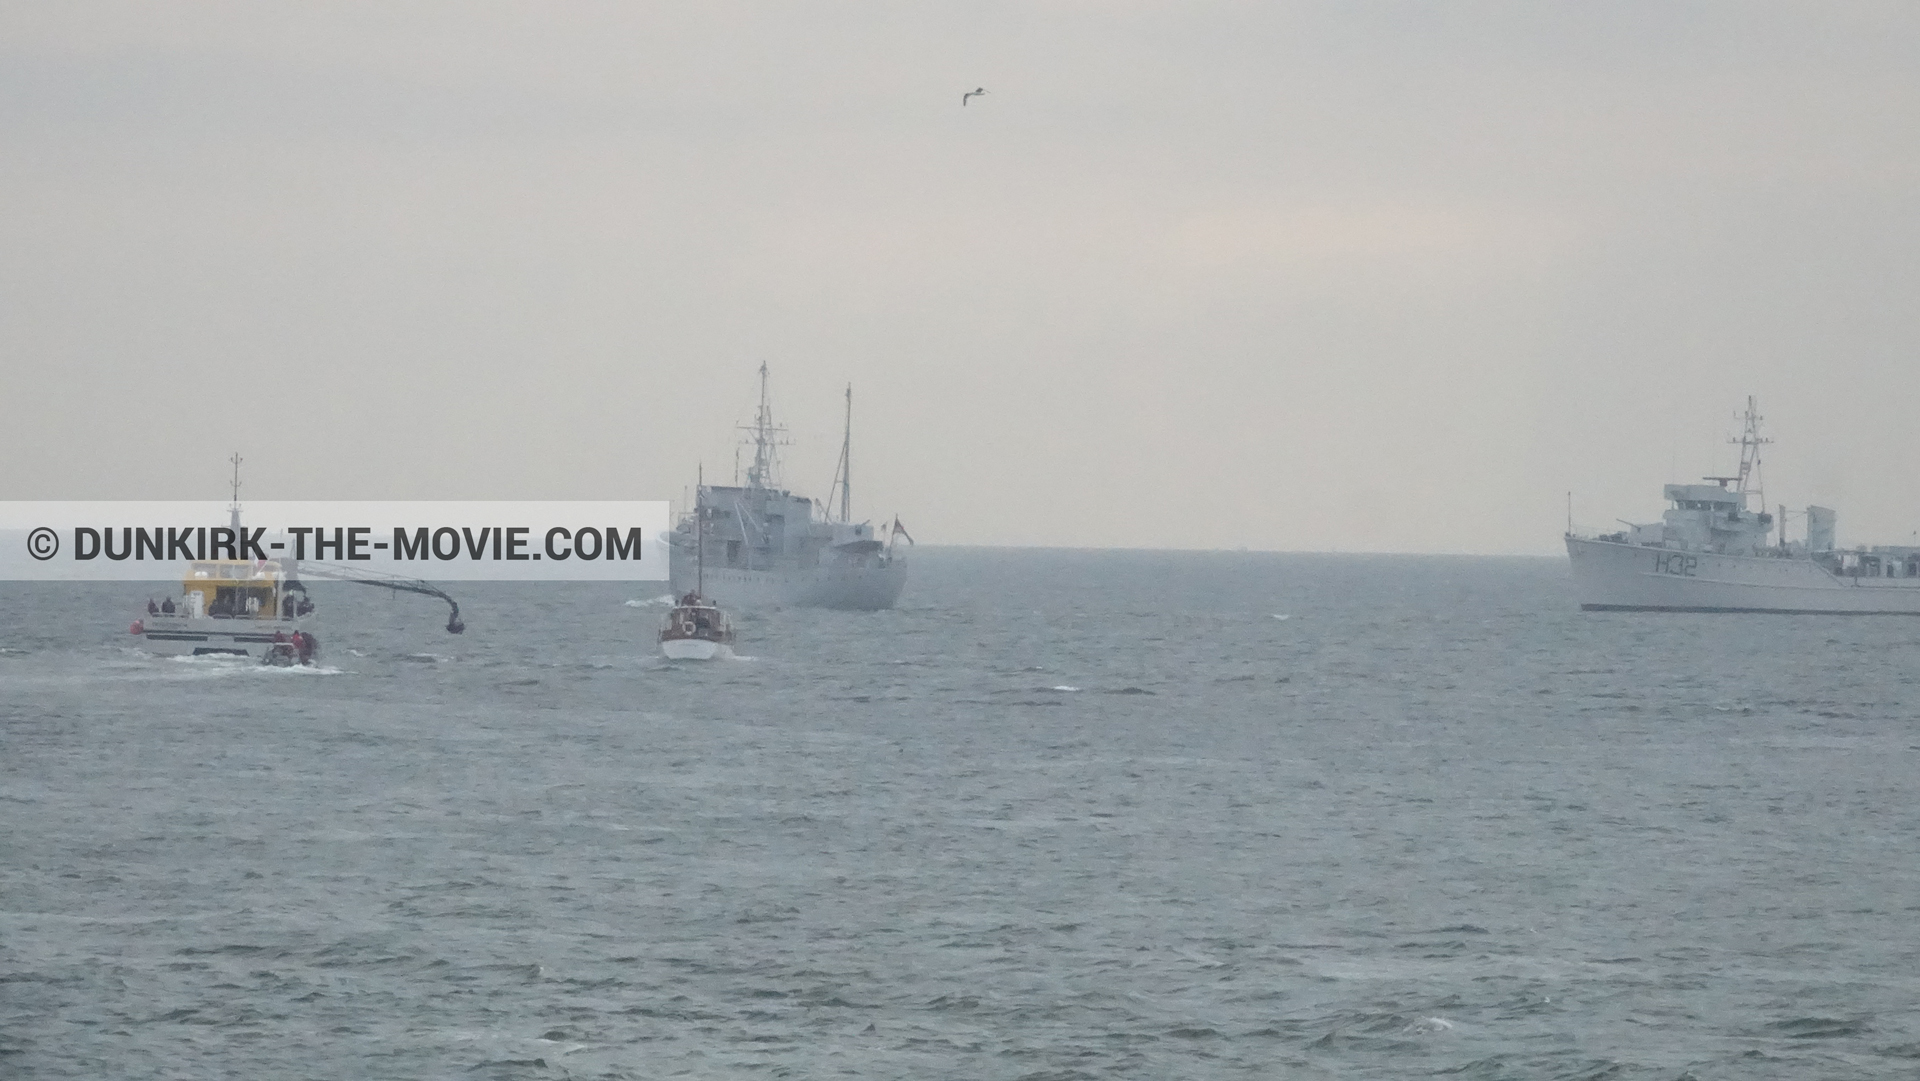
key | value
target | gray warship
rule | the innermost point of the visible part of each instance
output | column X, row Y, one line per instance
column 765, row 547
column 1714, row 551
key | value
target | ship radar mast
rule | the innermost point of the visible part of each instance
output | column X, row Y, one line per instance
column 1750, row 442
column 233, row 508
column 843, row 473
column 1747, row 481
column 768, row 438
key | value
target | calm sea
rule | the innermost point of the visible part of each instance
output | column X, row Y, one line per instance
column 1061, row 815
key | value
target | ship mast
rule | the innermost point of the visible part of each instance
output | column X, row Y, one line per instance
column 233, row 509
column 700, row 535
column 843, row 473
column 1750, row 442
column 764, row 473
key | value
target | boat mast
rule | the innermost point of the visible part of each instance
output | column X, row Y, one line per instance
column 233, row 509
column 700, row 535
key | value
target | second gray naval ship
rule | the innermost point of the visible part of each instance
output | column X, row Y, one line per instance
column 767, row 547
column 1714, row 551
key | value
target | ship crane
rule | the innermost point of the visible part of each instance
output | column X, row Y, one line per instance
column 367, row 577
column 338, row 573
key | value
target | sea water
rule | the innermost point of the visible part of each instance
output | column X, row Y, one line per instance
column 1060, row 815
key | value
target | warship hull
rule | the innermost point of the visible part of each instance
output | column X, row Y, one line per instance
column 862, row 588
column 1612, row 576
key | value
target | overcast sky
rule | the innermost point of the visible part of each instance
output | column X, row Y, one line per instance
column 1390, row 277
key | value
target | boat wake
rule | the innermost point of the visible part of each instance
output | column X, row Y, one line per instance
column 216, row 666
column 664, row 600
column 300, row 670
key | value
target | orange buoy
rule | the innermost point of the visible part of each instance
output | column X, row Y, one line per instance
column 139, row 627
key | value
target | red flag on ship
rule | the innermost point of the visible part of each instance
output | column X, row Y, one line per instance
column 902, row 530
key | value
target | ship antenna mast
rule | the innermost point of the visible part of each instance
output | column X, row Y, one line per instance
column 843, row 473
column 767, row 438
column 233, row 509
column 1750, row 443
column 700, row 533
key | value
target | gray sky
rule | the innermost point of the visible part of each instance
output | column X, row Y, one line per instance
column 1286, row 276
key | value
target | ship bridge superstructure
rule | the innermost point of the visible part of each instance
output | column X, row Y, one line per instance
column 1713, row 518
column 1726, row 515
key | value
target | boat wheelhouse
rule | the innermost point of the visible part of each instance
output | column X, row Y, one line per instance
column 696, row 630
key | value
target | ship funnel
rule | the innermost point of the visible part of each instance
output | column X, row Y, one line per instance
column 1820, row 529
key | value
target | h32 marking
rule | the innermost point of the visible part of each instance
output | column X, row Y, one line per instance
column 1675, row 563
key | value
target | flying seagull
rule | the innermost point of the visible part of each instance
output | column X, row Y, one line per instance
column 972, row 94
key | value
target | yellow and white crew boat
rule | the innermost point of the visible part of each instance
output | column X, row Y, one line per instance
column 228, row 608
column 257, row 608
